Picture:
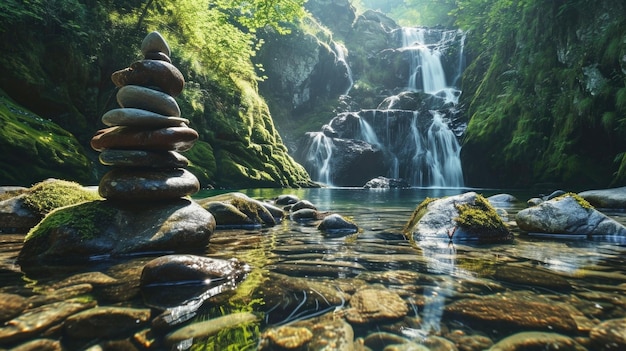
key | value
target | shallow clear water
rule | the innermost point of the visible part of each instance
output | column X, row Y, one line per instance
column 289, row 259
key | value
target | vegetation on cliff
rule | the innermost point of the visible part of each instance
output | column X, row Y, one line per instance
column 59, row 56
column 545, row 93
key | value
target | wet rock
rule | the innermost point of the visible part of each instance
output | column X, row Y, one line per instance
column 39, row 345
column 133, row 117
column 511, row 312
column 202, row 330
column 284, row 200
column 537, row 341
column 465, row 217
column 106, row 322
column 465, row 342
column 409, row 346
column 191, row 269
column 606, row 198
column 61, row 294
column 437, row 343
column 164, row 139
column 36, row 320
column 374, row 304
column 609, row 335
column 335, row 225
column 143, row 158
column 380, row 340
column 531, row 277
column 16, row 217
column 305, row 214
column 138, row 185
column 324, row 333
column 151, row 73
column 567, row 214
column 553, row 194
column 386, row 183
column 303, row 204
column 107, row 229
column 11, row 306
column 286, row 337
column 135, row 96
column 256, row 210
column 229, row 216
column 500, row 199
column 535, row 201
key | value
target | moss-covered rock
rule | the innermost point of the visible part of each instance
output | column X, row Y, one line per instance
column 462, row 218
column 104, row 229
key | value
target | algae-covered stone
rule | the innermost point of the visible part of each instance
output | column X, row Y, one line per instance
column 107, row 229
column 465, row 217
column 567, row 214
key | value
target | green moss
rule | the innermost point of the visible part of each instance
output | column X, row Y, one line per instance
column 87, row 219
column 49, row 195
column 582, row 202
column 479, row 215
column 419, row 212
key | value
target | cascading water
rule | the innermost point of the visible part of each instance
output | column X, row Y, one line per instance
column 341, row 58
column 414, row 144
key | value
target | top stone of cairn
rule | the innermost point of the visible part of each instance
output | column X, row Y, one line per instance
column 154, row 42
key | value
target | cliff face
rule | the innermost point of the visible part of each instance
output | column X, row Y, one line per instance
column 56, row 71
column 546, row 95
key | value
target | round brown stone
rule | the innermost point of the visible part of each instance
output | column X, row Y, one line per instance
column 160, row 74
column 128, row 138
column 157, row 56
column 143, row 158
column 135, row 96
column 140, row 118
column 127, row 184
column 154, row 42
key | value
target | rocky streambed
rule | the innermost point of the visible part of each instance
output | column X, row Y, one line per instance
column 366, row 280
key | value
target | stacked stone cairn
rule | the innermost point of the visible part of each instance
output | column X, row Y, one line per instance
column 145, row 135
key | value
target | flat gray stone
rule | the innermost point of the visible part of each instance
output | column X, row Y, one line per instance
column 606, row 198
column 135, row 96
column 140, row 118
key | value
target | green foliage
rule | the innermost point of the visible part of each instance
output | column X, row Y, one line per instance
column 530, row 93
column 51, row 194
column 86, row 218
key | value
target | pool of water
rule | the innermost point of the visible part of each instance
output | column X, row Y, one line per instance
column 467, row 296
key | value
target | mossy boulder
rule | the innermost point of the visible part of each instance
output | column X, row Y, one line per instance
column 466, row 217
column 568, row 214
column 238, row 210
column 35, row 148
column 102, row 229
column 22, row 212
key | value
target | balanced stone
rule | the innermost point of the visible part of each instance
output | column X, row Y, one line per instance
column 140, row 118
column 140, row 185
column 136, row 96
column 160, row 74
column 157, row 56
column 154, row 42
column 171, row 138
column 143, row 158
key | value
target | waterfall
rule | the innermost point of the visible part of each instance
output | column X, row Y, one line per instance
column 408, row 136
column 425, row 56
column 319, row 155
column 341, row 58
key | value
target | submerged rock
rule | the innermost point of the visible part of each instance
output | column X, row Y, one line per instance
column 325, row 333
column 609, row 335
column 336, row 225
column 100, row 229
column 567, row 214
column 374, row 304
column 202, row 330
column 537, row 341
column 465, row 217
